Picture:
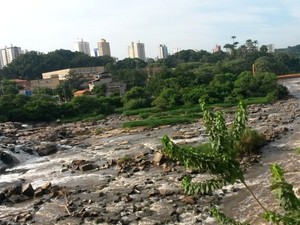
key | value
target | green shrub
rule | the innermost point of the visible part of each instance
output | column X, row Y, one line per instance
column 250, row 142
column 135, row 103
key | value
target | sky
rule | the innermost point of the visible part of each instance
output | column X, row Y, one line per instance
column 48, row 25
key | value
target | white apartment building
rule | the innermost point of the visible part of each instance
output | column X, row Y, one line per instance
column 104, row 48
column 1, row 60
column 82, row 46
column 137, row 50
column 162, row 52
column 8, row 54
column 270, row 48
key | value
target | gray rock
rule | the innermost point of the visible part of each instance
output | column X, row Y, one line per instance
column 27, row 190
column 46, row 149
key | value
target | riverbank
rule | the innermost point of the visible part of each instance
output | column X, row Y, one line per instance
column 101, row 173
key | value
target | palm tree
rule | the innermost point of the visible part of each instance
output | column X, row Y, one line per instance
column 235, row 43
column 233, row 37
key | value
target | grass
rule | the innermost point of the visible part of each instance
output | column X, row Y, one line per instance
column 153, row 117
column 297, row 150
column 85, row 118
column 258, row 100
column 139, row 111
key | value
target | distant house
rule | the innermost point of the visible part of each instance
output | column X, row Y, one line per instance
column 111, row 86
column 22, row 84
column 81, row 72
column 51, row 83
column 81, row 93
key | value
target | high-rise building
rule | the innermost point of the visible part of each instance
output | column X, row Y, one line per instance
column 1, row 60
column 217, row 48
column 104, row 48
column 162, row 52
column 137, row 50
column 270, row 48
column 8, row 54
column 96, row 52
column 175, row 50
column 82, row 46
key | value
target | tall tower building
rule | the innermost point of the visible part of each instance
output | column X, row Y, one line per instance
column 1, row 60
column 175, row 50
column 82, row 46
column 270, row 48
column 162, row 52
column 8, row 54
column 104, row 48
column 137, row 50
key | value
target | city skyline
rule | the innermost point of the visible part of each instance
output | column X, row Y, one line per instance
column 50, row 25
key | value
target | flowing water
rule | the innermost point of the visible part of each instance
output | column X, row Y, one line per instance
column 40, row 170
column 241, row 205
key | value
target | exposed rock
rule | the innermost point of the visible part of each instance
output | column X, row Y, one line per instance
column 159, row 158
column 2, row 197
column 7, row 158
column 45, row 149
column 87, row 166
column 27, row 190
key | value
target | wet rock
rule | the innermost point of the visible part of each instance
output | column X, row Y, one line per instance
column 46, row 149
column 7, row 158
column 46, row 188
column 38, row 192
column 81, row 164
column 27, row 190
column 2, row 197
column 158, row 158
column 188, row 200
column 16, row 189
column 23, row 217
column 85, row 167
column 166, row 191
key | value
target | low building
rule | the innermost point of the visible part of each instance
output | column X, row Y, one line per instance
column 82, row 72
column 111, row 86
column 22, row 84
column 51, row 83
column 82, row 92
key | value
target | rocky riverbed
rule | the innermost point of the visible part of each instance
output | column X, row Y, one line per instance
column 100, row 173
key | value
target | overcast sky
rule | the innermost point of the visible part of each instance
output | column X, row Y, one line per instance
column 47, row 25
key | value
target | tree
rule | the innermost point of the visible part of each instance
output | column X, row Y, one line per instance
column 41, row 108
column 64, row 92
column 99, row 90
column 8, row 87
column 233, row 38
column 264, row 48
column 168, row 98
column 136, row 97
column 220, row 159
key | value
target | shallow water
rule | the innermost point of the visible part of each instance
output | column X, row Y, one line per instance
column 241, row 205
column 41, row 170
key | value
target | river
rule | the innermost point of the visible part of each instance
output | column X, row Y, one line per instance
column 241, row 205
column 159, row 208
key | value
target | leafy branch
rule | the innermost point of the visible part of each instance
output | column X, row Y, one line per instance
column 221, row 162
column 286, row 197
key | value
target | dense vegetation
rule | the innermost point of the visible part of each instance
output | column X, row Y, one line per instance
column 180, row 80
column 291, row 50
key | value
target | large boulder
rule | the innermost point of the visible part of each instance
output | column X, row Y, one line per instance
column 46, row 148
column 7, row 158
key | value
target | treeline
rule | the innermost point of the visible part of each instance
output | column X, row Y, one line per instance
column 32, row 64
column 40, row 108
column 291, row 50
column 181, row 79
